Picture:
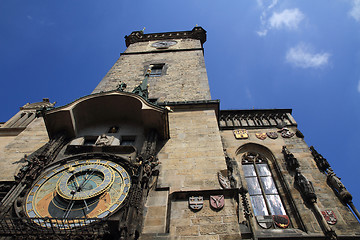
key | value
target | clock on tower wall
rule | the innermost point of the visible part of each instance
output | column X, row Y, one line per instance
column 101, row 171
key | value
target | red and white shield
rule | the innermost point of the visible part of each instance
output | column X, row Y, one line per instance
column 217, row 202
column 329, row 217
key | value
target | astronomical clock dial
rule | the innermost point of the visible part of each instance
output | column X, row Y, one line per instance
column 80, row 189
column 163, row 44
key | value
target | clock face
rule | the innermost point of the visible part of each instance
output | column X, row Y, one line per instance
column 163, row 44
column 91, row 188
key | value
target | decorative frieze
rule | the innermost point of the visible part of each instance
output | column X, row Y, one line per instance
column 230, row 119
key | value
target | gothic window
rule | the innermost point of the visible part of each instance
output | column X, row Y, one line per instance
column 263, row 193
column 156, row 70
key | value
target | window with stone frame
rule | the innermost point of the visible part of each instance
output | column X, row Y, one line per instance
column 156, row 70
column 264, row 196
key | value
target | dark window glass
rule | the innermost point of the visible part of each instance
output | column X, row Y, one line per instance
column 156, row 70
column 261, row 186
column 253, row 186
column 268, row 185
column 249, row 170
column 259, row 205
column 275, row 205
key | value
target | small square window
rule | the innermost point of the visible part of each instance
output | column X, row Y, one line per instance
column 90, row 140
column 127, row 141
column 156, row 70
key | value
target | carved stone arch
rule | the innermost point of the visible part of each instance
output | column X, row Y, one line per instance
column 257, row 148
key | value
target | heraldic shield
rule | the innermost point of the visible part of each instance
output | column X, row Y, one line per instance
column 217, row 202
column 241, row 134
column 329, row 217
column 264, row 221
column 196, row 203
column 281, row 221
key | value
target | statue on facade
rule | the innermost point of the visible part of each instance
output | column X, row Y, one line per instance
column 291, row 161
column 104, row 140
column 305, row 187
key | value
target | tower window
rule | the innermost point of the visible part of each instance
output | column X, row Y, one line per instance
column 263, row 193
column 156, row 70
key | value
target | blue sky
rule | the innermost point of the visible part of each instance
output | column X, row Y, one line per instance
column 303, row 55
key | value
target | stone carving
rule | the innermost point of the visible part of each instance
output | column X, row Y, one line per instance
column 291, row 161
column 338, row 186
column 305, row 187
column 321, row 162
column 104, row 140
column 224, row 182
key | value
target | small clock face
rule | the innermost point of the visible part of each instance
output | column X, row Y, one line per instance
column 163, row 44
column 91, row 188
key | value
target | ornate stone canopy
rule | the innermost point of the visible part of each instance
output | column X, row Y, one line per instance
column 103, row 108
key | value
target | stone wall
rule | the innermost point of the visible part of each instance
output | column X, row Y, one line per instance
column 184, row 76
column 190, row 160
column 13, row 149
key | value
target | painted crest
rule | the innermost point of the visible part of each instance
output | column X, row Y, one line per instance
column 329, row 217
column 217, row 202
column 196, row 203
column 224, row 182
column 264, row 221
column 241, row 134
column 272, row 135
column 261, row 136
column 281, row 221
column 285, row 133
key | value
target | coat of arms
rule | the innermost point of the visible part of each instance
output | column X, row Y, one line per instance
column 261, row 136
column 281, row 221
column 241, row 134
column 264, row 221
column 285, row 133
column 196, row 203
column 329, row 217
column 224, row 182
column 272, row 135
column 217, row 202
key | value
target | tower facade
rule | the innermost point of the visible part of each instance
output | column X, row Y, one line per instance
column 150, row 155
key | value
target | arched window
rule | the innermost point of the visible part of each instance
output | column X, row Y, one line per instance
column 264, row 195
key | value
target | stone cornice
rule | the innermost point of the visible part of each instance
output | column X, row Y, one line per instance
column 139, row 36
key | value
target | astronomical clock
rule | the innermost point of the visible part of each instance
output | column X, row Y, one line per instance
column 92, row 188
column 92, row 178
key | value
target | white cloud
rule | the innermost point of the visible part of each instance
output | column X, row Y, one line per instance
column 355, row 11
column 266, row 7
column 303, row 56
column 289, row 18
column 358, row 87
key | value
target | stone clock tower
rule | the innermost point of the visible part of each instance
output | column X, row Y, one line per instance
column 149, row 155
